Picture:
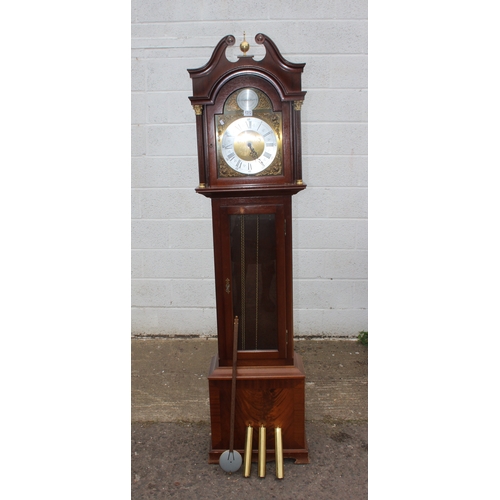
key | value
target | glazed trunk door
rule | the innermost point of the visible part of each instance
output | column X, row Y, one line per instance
column 255, row 271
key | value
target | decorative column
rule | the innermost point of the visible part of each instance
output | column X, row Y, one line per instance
column 297, row 106
column 198, row 109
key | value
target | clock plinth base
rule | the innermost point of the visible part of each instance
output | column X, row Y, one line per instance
column 273, row 396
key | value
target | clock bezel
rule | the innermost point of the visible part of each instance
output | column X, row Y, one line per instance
column 270, row 152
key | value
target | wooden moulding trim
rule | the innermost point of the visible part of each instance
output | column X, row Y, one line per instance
column 295, row 371
column 252, row 373
column 219, row 192
column 208, row 77
column 218, row 52
column 272, row 50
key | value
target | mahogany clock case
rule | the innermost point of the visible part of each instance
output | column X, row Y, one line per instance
column 252, row 235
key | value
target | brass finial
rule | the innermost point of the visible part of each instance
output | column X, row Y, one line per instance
column 244, row 45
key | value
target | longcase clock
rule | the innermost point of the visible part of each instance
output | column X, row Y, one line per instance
column 249, row 162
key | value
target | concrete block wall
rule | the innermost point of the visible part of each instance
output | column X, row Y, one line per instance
column 172, row 253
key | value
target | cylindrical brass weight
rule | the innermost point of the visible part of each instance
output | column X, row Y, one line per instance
column 278, row 450
column 262, row 451
column 248, row 452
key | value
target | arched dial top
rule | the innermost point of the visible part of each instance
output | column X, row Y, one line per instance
column 249, row 135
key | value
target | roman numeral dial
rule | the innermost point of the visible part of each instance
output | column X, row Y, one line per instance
column 249, row 145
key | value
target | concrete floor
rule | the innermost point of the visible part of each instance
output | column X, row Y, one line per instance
column 170, row 424
column 169, row 379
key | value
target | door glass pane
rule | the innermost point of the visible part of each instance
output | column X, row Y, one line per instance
column 253, row 264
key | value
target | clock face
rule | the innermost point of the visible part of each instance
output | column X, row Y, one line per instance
column 249, row 145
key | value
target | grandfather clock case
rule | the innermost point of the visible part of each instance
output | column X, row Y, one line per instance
column 248, row 127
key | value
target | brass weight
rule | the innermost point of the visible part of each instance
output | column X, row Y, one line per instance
column 262, row 451
column 279, row 452
column 248, row 452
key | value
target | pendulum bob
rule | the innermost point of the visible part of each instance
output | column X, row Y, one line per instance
column 248, row 451
column 278, row 448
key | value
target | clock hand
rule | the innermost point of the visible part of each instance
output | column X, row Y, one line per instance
column 253, row 153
